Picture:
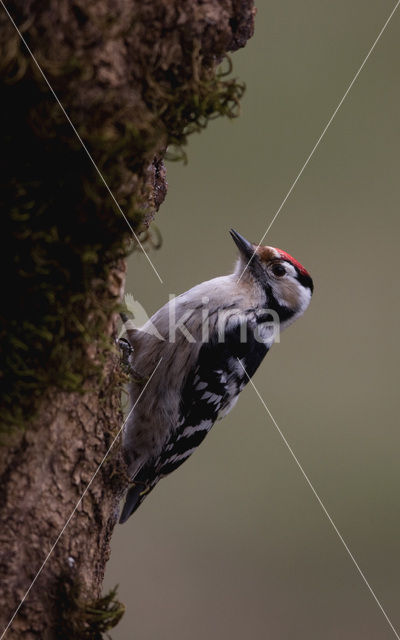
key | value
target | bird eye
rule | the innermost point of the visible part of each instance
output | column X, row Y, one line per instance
column 278, row 270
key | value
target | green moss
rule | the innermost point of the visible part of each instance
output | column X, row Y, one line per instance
column 81, row 620
column 102, row 615
column 62, row 234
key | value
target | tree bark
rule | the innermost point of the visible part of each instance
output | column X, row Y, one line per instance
column 134, row 77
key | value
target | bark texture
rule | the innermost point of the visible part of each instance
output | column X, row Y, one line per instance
column 44, row 471
column 134, row 76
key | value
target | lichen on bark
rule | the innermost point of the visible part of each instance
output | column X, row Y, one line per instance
column 135, row 77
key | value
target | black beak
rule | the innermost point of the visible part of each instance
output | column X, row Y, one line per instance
column 245, row 247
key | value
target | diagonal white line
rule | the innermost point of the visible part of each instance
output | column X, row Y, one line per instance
column 81, row 141
column 321, row 136
column 77, row 505
column 372, row 592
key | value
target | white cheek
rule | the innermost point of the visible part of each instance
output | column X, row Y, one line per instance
column 304, row 299
column 292, row 295
column 285, row 292
column 277, row 295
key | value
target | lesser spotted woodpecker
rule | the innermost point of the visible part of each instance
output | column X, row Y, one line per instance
column 209, row 339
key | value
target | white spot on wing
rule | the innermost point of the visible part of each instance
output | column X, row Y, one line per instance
column 181, row 456
column 205, row 425
column 211, row 398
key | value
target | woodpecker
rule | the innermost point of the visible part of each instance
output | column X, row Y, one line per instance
column 197, row 353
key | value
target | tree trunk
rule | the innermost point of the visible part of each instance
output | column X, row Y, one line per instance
column 134, row 77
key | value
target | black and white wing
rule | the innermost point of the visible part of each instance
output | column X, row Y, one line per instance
column 209, row 392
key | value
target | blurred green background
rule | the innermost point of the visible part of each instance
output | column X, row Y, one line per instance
column 234, row 544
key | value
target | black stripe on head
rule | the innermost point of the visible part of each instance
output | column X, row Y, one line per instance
column 304, row 279
column 284, row 313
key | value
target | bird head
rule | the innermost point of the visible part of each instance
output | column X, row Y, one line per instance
column 287, row 285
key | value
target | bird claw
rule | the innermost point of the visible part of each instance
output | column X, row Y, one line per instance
column 127, row 351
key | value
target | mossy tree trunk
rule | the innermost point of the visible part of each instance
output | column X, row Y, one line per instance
column 134, row 76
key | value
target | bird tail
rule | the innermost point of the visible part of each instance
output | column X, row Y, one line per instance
column 134, row 498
